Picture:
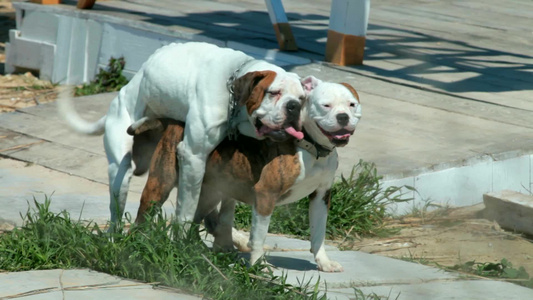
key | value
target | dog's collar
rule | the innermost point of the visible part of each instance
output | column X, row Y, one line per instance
column 233, row 110
column 312, row 146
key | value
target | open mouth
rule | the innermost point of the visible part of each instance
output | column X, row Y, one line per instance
column 279, row 134
column 339, row 137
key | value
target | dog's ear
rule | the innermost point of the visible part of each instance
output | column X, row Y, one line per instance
column 352, row 90
column 250, row 88
column 309, row 83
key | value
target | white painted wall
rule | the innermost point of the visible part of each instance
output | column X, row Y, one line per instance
column 464, row 185
column 69, row 46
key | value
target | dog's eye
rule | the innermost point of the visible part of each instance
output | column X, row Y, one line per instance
column 274, row 93
column 326, row 105
column 352, row 104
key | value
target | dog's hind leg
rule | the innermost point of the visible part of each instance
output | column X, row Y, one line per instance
column 119, row 179
column 164, row 171
column 118, row 145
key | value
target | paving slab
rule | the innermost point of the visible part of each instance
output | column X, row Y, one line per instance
column 443, row 290
column 84, row 199
column 360, row 269
column 79, row 283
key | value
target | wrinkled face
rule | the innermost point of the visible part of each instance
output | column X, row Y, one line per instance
column 335, row 109
column 273, row 105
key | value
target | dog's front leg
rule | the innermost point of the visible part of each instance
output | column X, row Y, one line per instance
column 260, row 223
column 262, row 209
column 318, row 216
column 192, row 170
column 192, row 157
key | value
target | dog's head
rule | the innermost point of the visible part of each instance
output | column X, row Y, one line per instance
column 272, row 100
column 331, row 112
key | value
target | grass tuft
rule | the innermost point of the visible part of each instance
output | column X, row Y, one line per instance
column 107, row 80
column 358, row 207
column 503, row 269
column 150, row 253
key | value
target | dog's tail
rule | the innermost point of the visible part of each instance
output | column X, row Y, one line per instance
column 70, row 115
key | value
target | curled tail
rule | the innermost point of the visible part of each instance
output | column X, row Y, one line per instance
column 70, row 115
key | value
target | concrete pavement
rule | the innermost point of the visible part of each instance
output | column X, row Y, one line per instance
column 446, row 86
column 371, row 274
column 42, row 157
column 443, row 111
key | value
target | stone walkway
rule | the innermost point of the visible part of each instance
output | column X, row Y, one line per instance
column 446, row 90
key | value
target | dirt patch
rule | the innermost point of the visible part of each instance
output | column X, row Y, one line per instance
column 450, row 237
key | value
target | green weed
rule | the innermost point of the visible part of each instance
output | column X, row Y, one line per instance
column 107, row 80
column 417, row 259
column 358, row 207
column 150, row 253
column 359, row 295
column 503, row 269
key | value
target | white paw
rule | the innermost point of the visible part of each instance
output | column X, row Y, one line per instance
column 240, row 240
column 329, row 266
column 267, row 267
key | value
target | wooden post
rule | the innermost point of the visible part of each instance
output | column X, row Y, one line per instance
column 348, row 22
column 85, row 4
column 279, row 21
column 46, row 1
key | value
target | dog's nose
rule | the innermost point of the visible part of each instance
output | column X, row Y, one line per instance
column 293, row 108
column 343, row 119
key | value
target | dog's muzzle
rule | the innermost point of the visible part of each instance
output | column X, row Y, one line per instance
column 290, row 128
column 293, row 109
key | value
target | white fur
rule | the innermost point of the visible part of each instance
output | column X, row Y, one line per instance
column 186, row 82
column 316, row 174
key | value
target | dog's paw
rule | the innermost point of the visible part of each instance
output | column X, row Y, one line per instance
column 223, row 248
column 240, row 240
column 329, row 266
column 268, row 267
column 265, row 265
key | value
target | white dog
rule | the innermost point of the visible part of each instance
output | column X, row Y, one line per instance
column 262, row 173
column 212, row 90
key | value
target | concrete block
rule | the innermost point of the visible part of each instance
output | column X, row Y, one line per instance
column 458, row 186
column 134, row 45
column 39, row 26
column 511, row 174
column 29, row 54
column 401, row 208
column 512, row 210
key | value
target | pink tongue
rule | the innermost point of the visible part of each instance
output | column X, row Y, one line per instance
column 342, row 136
column 297, row 134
